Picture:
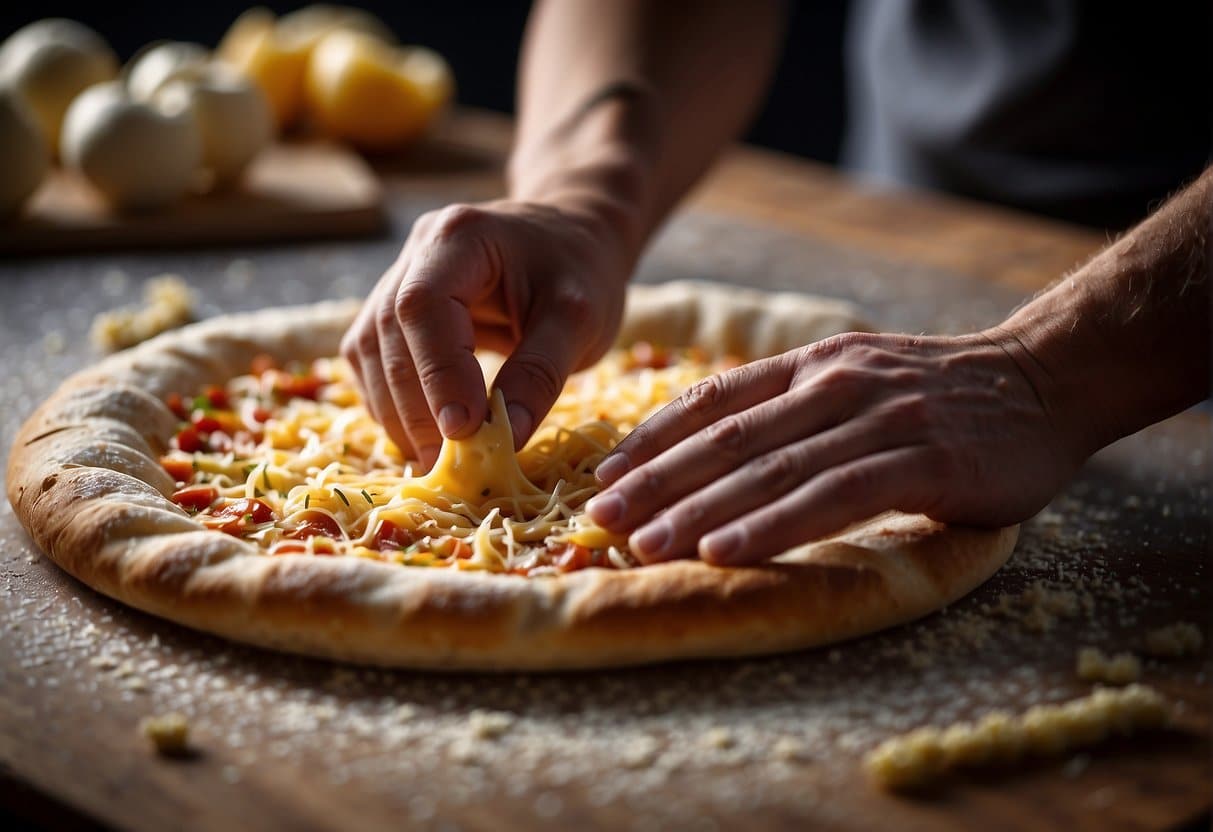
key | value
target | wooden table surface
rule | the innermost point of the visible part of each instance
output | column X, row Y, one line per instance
column 285, row 742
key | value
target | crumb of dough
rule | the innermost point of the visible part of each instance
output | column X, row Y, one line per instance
column 1038, row 607
column 1096, row 666
column 789, row 750
column 168, row 303
column 136, row 684
column 1175, row 640
column 719, row 738
column 640, row 752
column 489, row 725
column 169, row 733
column 920, row 756
column 405, row 712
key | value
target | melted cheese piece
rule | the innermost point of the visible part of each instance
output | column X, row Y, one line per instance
column 484, row 465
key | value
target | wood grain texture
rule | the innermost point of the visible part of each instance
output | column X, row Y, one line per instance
column 291, row 743
column 291, row 191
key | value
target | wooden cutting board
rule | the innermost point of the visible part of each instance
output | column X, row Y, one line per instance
column 292, row 191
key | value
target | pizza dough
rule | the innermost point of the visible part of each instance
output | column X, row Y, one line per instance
column 85, row 481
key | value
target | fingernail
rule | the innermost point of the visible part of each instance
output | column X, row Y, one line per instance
column 451, row 418
column 520, row 421
column 605, row 509
column 612, row 468
column 719, row 547
column 651, row 541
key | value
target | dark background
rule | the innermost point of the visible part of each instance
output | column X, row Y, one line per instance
column 480, row 38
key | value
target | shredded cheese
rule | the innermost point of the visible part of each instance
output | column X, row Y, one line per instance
column 914, row 759
column 298, row 466
column 168, row 303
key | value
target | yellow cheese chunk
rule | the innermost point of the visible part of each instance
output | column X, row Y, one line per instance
column 484, row 465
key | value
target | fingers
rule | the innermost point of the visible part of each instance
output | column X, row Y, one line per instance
column 719, row 450
column 432, row 311
column 903, row 478
column 360, row 347
column 706, row 402
column 376, row 392
column 534, row 374
column 767, row 478
column 407, row 404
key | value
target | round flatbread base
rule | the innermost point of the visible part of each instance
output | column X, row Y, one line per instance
column 85, row 481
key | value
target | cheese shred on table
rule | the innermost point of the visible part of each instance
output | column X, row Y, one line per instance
column 921, row 756
column 289, row 459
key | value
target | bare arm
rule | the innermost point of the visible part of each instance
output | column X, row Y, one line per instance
column 635, row 98
column 981, row 429
column 623, row 105
column 1125, row 340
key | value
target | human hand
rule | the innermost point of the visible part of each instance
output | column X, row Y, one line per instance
column 541, row 284
column 752, row 462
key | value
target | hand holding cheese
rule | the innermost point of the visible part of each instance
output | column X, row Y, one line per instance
column 24, row 155
column 49, row 63
column 540, row 284
column 138, row 155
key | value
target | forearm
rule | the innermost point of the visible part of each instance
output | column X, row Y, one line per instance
column 1125, row 341
column 624, row 104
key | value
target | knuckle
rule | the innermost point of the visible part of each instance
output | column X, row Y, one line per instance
column 457, row 218
column 689, row 516
column 365, row 341
column 910, row 412
column 541, row 373
column 842, row 343
column 650, row 481
column 413, row 301
column 842, row 378
column 728, row 437
column 434, row 373
column 778, row 469
column 705, row 396
column 851, row 483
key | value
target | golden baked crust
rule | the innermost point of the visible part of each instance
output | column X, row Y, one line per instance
column 84, row 479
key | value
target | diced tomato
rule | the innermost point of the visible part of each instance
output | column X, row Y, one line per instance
column 236, row 517
column 189, row 440
column 392, row 536
column 299, row 387
column 262, row 364
column 260, row 414
column 177, row 404
column 181, row 470
column 196, row 497
column 644, row 354
column 461, row 551
column 574, row 557
column 288, row 547
column 245, row 443
column 218, row 397
column 206, row 423
column 315, row 524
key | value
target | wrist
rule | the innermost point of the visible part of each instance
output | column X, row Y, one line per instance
column 1062, row 356
column 597, row 162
